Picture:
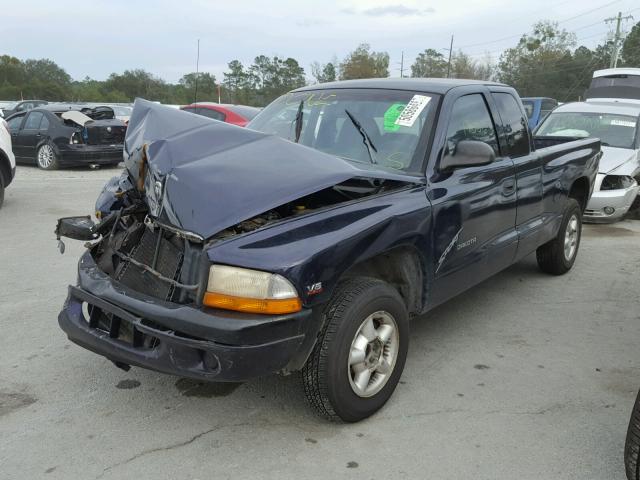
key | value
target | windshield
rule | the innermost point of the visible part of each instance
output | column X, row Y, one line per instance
column 613, row 130
column 528, row 108
column 383, row 132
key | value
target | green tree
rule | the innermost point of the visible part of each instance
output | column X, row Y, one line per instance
column 237, row 84
column 207, row 88
column 631, row 48
column 323, row 73
column 362, row 63
column 138, row 83
column 538, row 64
column 429, row 63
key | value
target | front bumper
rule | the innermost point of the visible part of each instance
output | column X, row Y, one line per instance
column 620, row 200
column 182, row 340
column 82, row 154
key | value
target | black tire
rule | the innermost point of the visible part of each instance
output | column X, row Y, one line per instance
column 2, row 182
column 551, row 256
column 53, row 165
column 326, row 375
column 632, row 444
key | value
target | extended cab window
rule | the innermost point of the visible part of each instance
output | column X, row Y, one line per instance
column 514, row 124
column 470, row 120
column 33, row 121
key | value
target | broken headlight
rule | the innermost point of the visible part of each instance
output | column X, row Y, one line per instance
column 617, row 182
column 251, row 291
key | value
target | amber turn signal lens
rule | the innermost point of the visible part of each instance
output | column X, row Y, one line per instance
column 252, row 305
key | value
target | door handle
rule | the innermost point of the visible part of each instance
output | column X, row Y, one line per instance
column 509, row 186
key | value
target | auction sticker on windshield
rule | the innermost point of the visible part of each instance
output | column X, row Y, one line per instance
column 623, row 123
column 412, row 111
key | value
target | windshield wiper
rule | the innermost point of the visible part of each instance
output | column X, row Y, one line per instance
column 366, row 139
column 298, row 121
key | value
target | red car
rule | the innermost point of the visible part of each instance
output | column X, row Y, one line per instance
column 236, row 114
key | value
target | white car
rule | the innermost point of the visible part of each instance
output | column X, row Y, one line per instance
column 615, row 123
column 7, row 160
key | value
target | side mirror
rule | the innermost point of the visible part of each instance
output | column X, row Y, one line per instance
column 468, row 153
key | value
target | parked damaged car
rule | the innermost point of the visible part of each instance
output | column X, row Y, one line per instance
column 617, row 125
column 307, row 240
column 59, row 135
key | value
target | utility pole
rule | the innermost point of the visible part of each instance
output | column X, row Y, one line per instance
column 449, row 62
column 617, row 39
column 195, row 95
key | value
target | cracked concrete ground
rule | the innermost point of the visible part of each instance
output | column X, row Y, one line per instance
column 525, row 376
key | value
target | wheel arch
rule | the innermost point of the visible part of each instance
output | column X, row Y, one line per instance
column 580, row 192
column 401, row 267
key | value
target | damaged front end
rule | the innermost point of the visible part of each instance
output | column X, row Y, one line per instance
column 189, row 185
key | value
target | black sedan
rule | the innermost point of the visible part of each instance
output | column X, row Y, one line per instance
column 56, row 136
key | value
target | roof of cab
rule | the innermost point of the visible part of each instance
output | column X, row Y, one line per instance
column 427, row 85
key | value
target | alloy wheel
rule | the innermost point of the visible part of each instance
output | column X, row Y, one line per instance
column 46, row 156
column 571, row 236
column 373, row 354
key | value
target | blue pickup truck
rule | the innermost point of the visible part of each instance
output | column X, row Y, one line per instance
column 308, row 240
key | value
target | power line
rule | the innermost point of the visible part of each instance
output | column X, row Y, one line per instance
column 589, row 11
column 502, row 50
column 488, row 42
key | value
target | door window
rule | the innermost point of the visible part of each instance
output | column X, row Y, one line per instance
column 14, row 123
column 44, row 124
column 514, row 124
column 33, row 121
column 470, row 120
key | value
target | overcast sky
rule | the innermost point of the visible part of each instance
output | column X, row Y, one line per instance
column 94, row 38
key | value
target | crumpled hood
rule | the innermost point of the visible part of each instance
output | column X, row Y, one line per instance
column 623, row 161
column 203, row 175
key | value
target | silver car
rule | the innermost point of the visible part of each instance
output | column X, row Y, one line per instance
column 615, row 123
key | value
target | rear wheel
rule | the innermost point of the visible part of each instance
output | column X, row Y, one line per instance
column 558, row 255
column 632, row 444
column 360, row 354
column 46, row 157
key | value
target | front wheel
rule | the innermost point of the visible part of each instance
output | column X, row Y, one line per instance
column 46, row 157
column 360, row 354
column 558, row 255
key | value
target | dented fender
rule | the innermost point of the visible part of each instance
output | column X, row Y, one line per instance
column 319, row 248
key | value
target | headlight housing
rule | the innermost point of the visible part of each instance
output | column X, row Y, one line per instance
column 252, row 291
column 617, row 182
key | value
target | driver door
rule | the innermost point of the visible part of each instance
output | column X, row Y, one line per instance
column 474, row 208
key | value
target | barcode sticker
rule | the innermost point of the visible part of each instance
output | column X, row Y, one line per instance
column 412, row 111
column 623, row 123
